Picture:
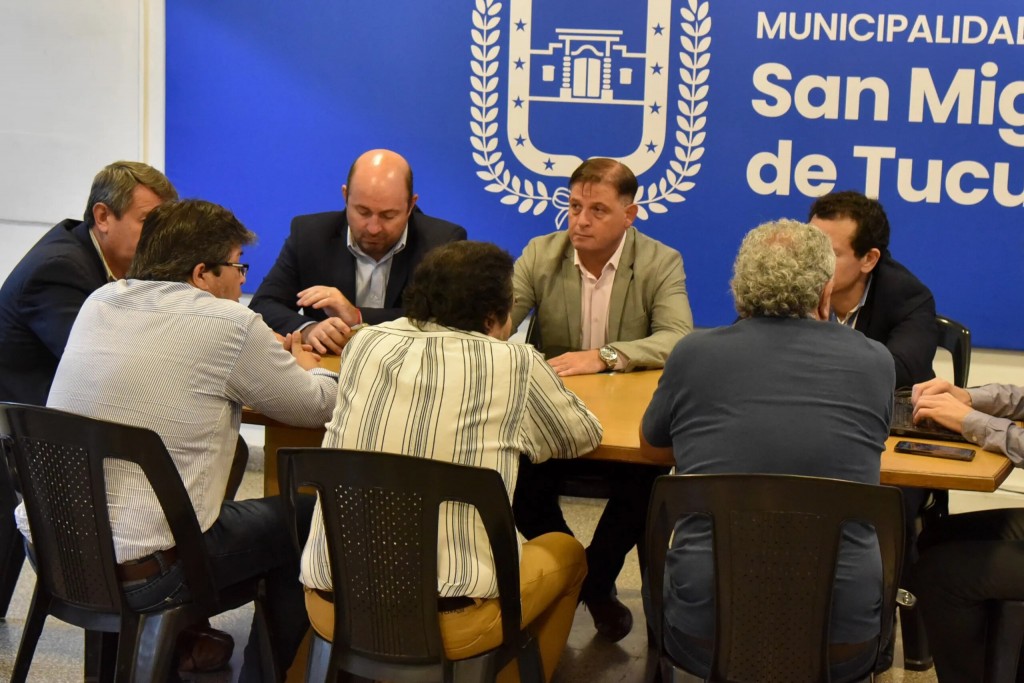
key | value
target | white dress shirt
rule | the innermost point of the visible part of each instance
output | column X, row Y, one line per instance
column 596, row 293
column 372, row 275
column 175, row 359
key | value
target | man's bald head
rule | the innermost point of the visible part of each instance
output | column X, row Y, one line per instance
column 380, row 165
column 378, row 201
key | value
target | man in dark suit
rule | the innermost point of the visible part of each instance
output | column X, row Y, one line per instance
column 874, row 293
column 39, row 302
column 41, row 297
column 342, row 268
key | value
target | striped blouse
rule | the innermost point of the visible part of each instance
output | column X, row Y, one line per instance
column 456, row 396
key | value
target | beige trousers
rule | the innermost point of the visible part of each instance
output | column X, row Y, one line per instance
column 551, row 572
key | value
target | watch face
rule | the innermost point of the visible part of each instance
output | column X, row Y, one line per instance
column 608, row 355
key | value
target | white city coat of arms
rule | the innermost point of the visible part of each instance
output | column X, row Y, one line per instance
column 576, row 86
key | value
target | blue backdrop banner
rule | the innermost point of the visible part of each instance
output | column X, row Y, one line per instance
column 729, row 113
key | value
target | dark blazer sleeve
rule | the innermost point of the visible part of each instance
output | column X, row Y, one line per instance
column 314, row 253
column 275, row 297
column 51, row 300
column 43, row 296
column 901, row 315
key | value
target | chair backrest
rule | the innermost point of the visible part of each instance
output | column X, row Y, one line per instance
column 381, row 520
column 956, row 339
column 776, row 539
column 58, row 458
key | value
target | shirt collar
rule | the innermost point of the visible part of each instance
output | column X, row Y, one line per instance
column 613, row 262
column 851, row 318
column 397, row 247
column 106, row 267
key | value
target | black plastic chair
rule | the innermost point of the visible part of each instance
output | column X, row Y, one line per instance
column 956, row 339
column 381, row 515
column 59, row 462
column 12, row 546
column 777, row 530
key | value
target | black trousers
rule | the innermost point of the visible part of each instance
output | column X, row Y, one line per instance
column 967, row 560
column 620, row 528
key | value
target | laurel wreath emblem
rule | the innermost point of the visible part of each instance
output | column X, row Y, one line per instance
column 694, row 57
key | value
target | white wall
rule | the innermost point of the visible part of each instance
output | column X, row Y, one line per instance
column 87, row 79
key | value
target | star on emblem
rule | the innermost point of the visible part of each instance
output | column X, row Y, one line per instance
column 520, row 141
column 519, row 64
column 656, row 69
column 658, row 29
column 548, row 165
column 651, row 147
column 520, row 25
column 655, row 108
column 518, row 102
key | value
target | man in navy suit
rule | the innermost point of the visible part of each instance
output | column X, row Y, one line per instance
column 41, row 297
column 342, row 268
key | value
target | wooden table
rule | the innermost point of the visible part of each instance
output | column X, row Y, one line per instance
column 985, row 473
column 619, row 401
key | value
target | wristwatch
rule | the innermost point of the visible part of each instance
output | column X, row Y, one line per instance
column 610, row 357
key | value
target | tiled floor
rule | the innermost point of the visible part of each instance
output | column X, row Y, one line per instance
column 588, row 659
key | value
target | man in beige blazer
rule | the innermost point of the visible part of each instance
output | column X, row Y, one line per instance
column 605, row 298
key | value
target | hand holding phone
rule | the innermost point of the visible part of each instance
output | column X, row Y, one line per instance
column 935, row 450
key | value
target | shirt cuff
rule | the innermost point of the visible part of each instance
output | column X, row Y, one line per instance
column 325, row 373
column 974, row 426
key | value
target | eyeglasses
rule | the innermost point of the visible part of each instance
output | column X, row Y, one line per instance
column 243, row 268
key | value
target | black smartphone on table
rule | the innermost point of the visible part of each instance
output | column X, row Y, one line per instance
column 935, row 450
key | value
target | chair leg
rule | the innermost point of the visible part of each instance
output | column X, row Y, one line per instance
column 154, row 649
column 671, row 674
column 12, row 545
column 531, row 667
column 37, row 612
column 100, row 656
column 472, row 670
column 11, row 560
column 652, row 667
column 268, row 657
column 318, row 665
column 916, row 655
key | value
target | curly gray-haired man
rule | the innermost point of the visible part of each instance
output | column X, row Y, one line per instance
column 784, row 269
column 784, row 391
